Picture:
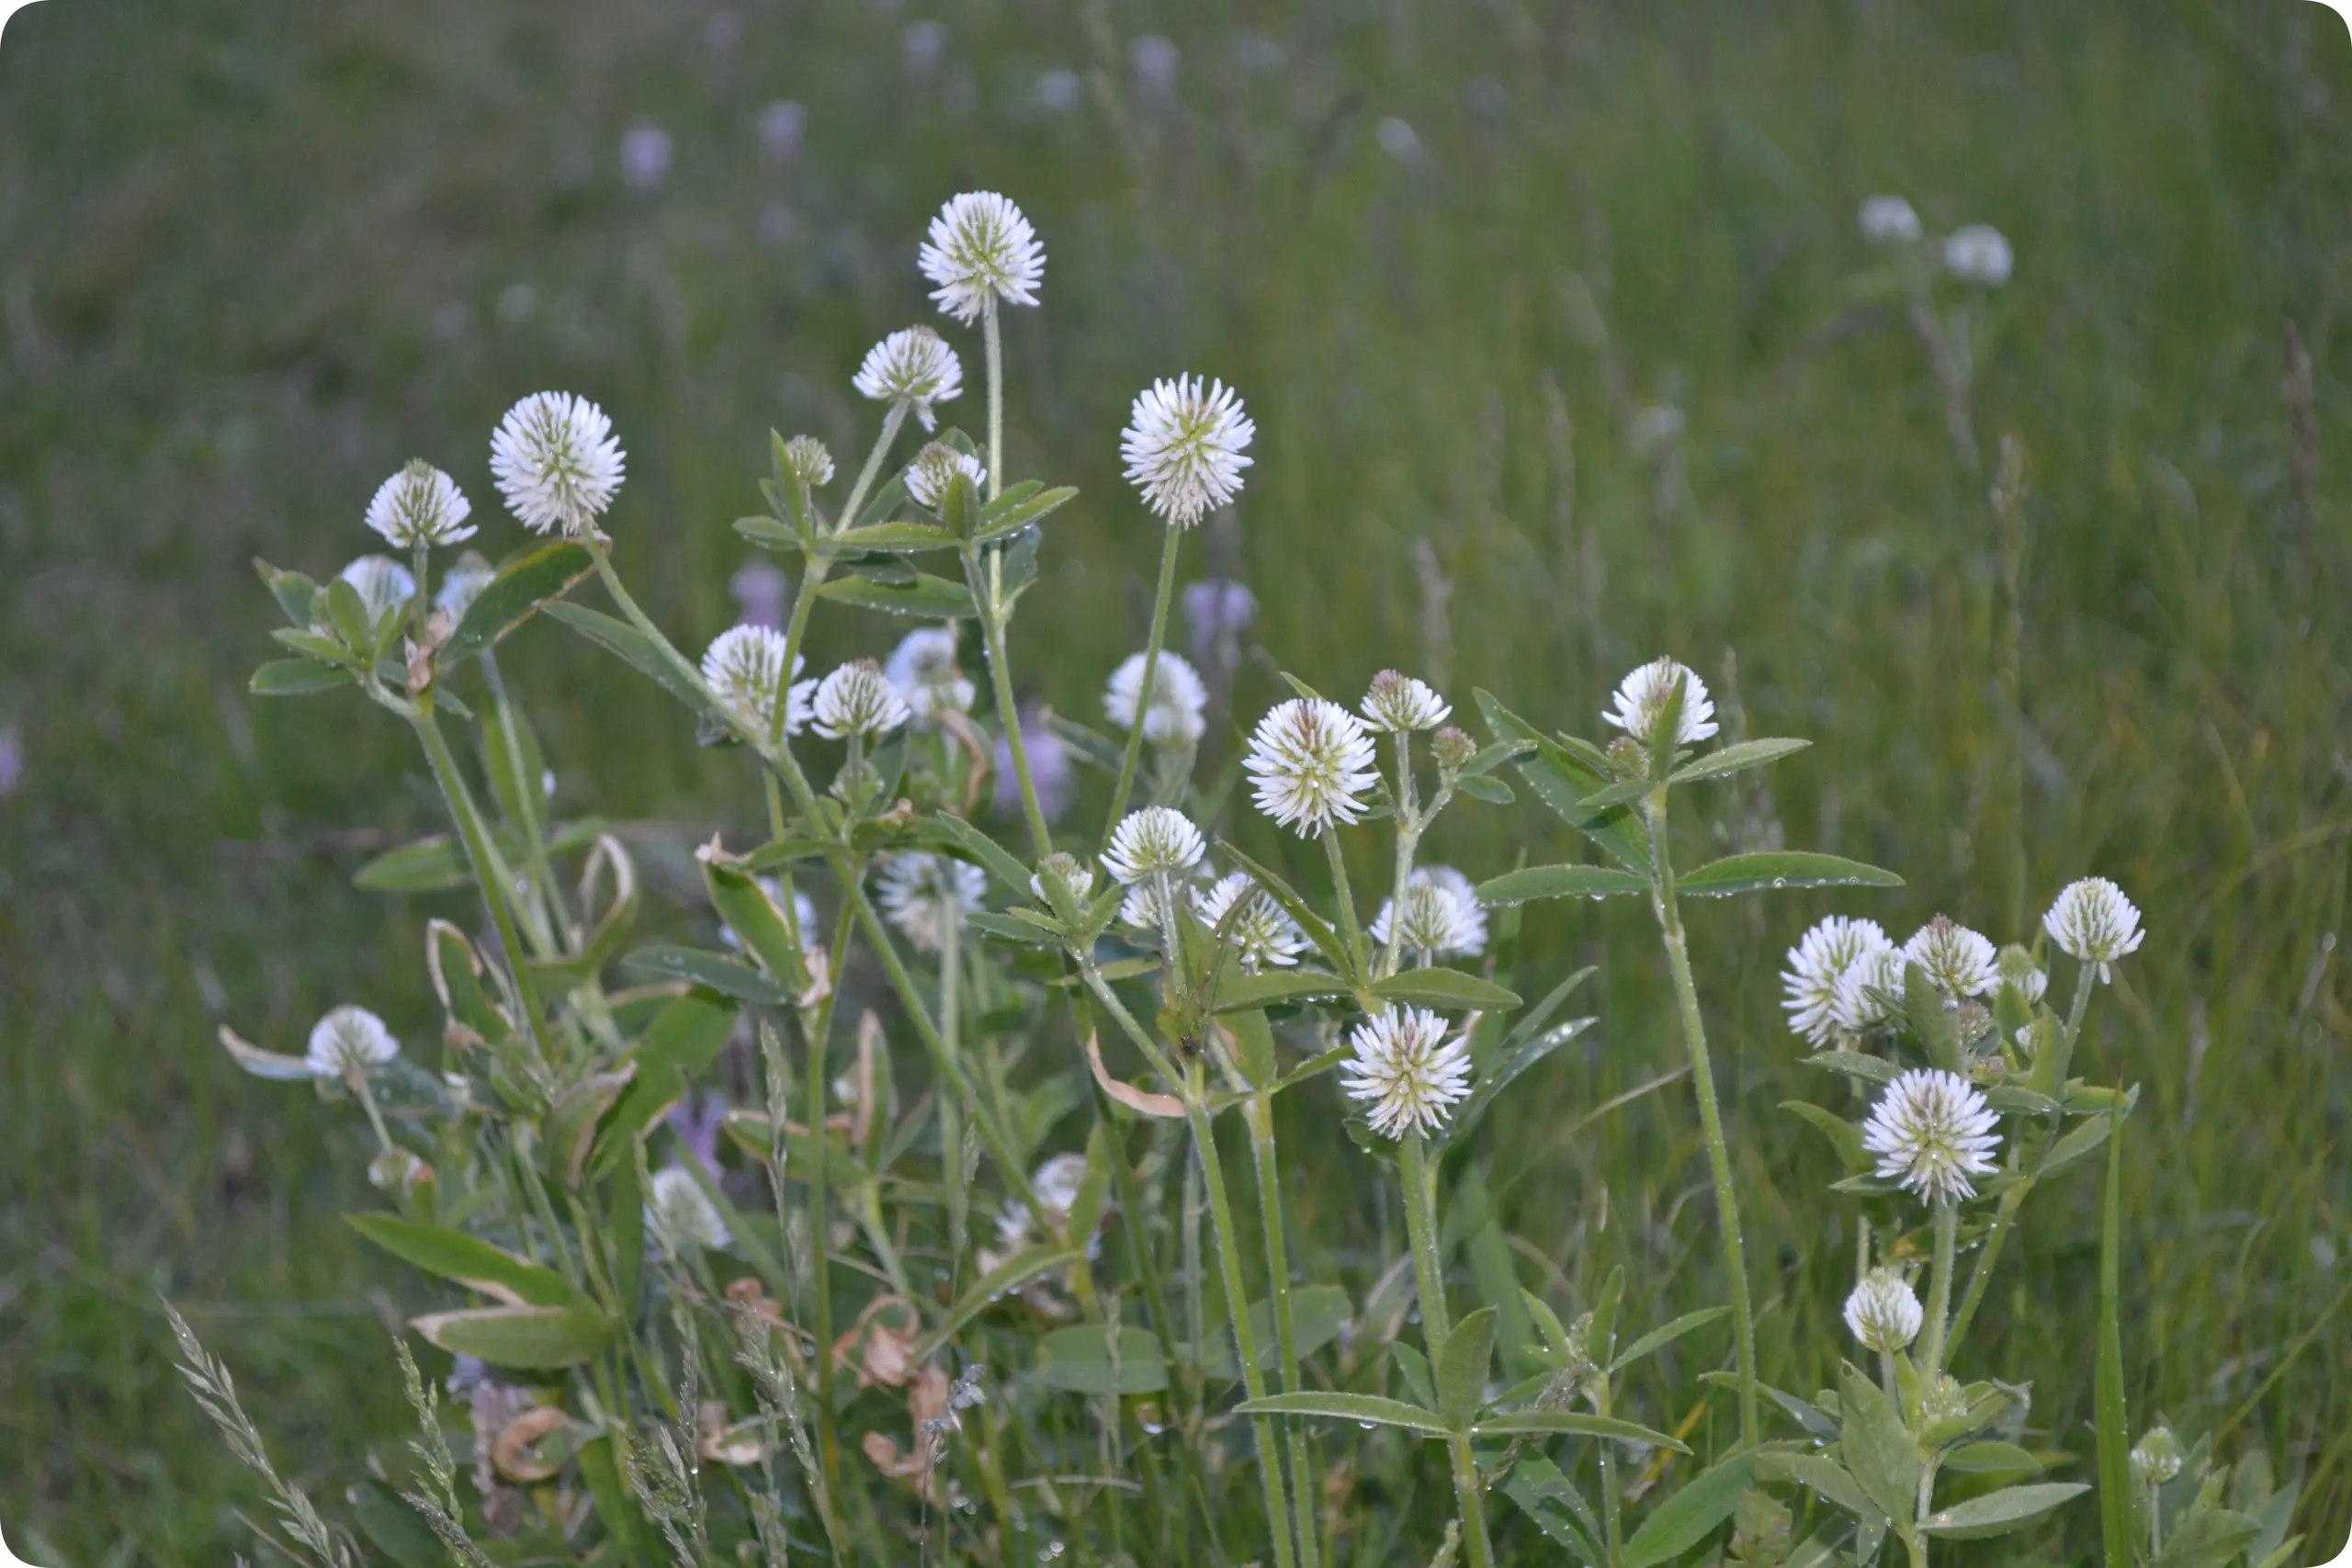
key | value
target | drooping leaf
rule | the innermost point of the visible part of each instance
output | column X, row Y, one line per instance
column 571, row 1123
column 683, row 1041
column 1998, row 1512
column 1559, row 882
column 1451, row 989
column 523, row 584
column 1001, row 1281
column 1690, row 1514
column 466, row 1260
column 1519, row 1422
column 727, row 976
column 1778, row 868
column 298, row 678
column 634, row 646
column 1734, row 759
column 531, row 1337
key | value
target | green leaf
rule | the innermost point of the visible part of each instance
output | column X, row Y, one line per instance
column 526, row 1336
column 1447, row 988
column 311, row 645
column 1318, row 1315
column 1843, row 1135
column 1365, row 1409
column 572, row 1121
column 1561, row 778
column 2114, row 1415
column 1530, row 1422
column 296, row 677
column 1659, row 1338
column 1248, row 993
column 1462, row 1367
column 933, row 598
column 2208, row 1537
column 1779, row 869
column 620, row 638
column 1989, row 1459
column 1478, row 786
column 896, row 538
column 757, row 923
column 1018, row 507
column 1690, row 1514
column 1001, row 1281
column 1501, row 1076
column 437, row 863
column 941, row 830
column 1414, row 1368
column 2082, row 1138
column 1877, row 1448
column 1317, row 930
column 1079, row 1360
column 1559, row 882
column 1998, row 1512
column 1735, row 759
column 600, row 1468
column 769, row 534
column 296, row 594
column 727, row 976
column 1821, row 1474
column 1528, row 1493
column 467, row 1259
column 522, row 585
column 1024, row 926
column 1855, row 1064
column 393, row 1528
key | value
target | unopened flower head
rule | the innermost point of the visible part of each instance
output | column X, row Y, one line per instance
column 1816, row 964
column 681, row 1214
column 556, row 462
column 1883, row 1311
column 1889, row 220
column 1174, row 716
column 1156, row 841
column 1186, row 442
column 1262, row 933
column 1869, row 992
column 1310, row 761
column 419, row 505
column 1960, row 962
column 1405, row 1071
column 807, row 461
column 1931, row 1132
column 2018, row 968
column 1073, row 875
column 383, row 584
column 936, row 464
column 1453, row 748
column 924, row 670
column 858, row 699
column 981, row 248
column 2157, row 1457
column 462, row 584
column 1641, row 698
column 921, row 894
column 1400, row 703
column 2093, row 923
column 913, row 365
column 1441, row 918
column 1978, row 253
column 743, row 667
column 349, row 1040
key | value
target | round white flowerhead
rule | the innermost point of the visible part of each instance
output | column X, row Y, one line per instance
column 1641, row 698
column 922, row 893
column 1889, row 220
column 349, row 1040
column 1076, row 877
column 1151, row 903
column 556, row 462
column 913, row 365
column 419, row 505
column 1405, row 1071
column 858, row 699
column 462, row 584
column 980, row 248
column 1869, row 992
column 2093, row 923
column 680, row 1213
column 2157, row 1457
column 1155, row 841
column 384, row 585
column 1263, row 934
column 1310, row 761
column 924, row 670
column 936, row 464
column 1931, row 1132
column 1816, row 964
column 1441, row 918
column 2019, row 969
column 807, row 460
column 1960, row 962
column 743, row 667
column 1174, row 717
column 1978, row 253
column 1400, row 703
column 1055, row 1182
column 1185, row 446
column 1884, row 1313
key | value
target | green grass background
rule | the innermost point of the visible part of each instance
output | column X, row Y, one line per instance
column 253, row 255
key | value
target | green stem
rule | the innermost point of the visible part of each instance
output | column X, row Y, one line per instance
column 892, row 422
column 1408, row 838
column 1161, row 597
column 1437, row 1327
column 1260, row 1112
column 994, row 338
column 1940, row 1292
column 1611, row 1504
column 489, row 867
column 951, row 1108
column 992, row 628
column 1351, row 935
column 541, row 872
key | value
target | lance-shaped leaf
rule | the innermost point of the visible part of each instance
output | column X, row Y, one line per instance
column 437, row 863
column 683, row 1041
column 620, row 638
column 902, row 537
column 754, row 918
column 608, row 860
column 1318, row 1314
column 1734, row 759
column 531, row 1337
column 1666, row 1334
column 1990, row 1458
column 1998, row 1512
column 571, row 1124
column 1535, row 1423
column 1023, row 926
column 1017, row 508
column 1451, row 989
column 1318, row 931
column 1491, row 1086
column 1088, row 1359
column 296, row 677
column 1462, row 1367
column 1166, row 1107
column 1691, row 1514
column 1821, row 1474
column 1878, row 1449
column 1365, row 1409
column 523, row 584
column 466, row 1260
column 944, row 832
column 933, row 598
column 1248, row 993
column 1001, row 1281
column 2084, row 1137
column 263, row 1064
column 1559, row 882
column 727, row 976
column 1777, row 869
column 1843, row 1135
column 1562, row 778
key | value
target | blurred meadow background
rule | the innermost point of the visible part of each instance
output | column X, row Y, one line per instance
column 1563, row 351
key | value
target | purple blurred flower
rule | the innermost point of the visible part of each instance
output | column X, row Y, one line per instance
column 697, row 1125
column 1218, row 613
column 12, row 760
column 781, row 124
column 1156, row 59
column 926, row 47
column 645, row 156
column 760, row 589
column 1050, row 768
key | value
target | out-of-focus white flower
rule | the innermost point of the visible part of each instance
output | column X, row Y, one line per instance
column 858, row 699
column 805, row 460
column 1058, row 91
column 920, row 893
column 1174, row 715
column 1397, row 139
column 913, row 365
column 1862, row 995
column 743, row 667
column 1883, row 1311
column 1405, row 1071
column 349, row 1040
column 1156, row 59
column 1056, row 1184
column 1310, row 761
column 680, row 1213
column 1050, row 768
column 1186, row 442
column 1889, row 220
column 926, row 46
column 1960, row 962
column 936, row 464
column 645, row 156
column 419, row 505
column 1654, row 426
column 1218, row 613
column 462, row 584
column 1076, row 877
column 1641, row 697
column 1931, row 1132
column 1263, row 934
column 2157, row 1457
column 2093, row 923
column 924, row 669
column 2018, row 968
column 1399, row 704
column 1978, row 253
column 1157, row 842
column 981, row 248
column 1151, row 903
column 1816, row 964
column 1442, row 919
column 556, row 462
column 781, row 124
column 383, row 584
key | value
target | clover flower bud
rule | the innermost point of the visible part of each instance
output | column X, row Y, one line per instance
column 2094, row 923
column 1185, row 446
column 858, row 699
column 419, row 505
column 395, row 1169
column 1453, row 748
column 2157, row 1457
column 936, row 464
column 2017, row 967
column 1399, row 704
column 1960, row 962
column 913, row 365
column 1405, row 1071
column 980, row 248
column 1641, row 698
column 806, row 461
column 1884, row 1313
column 556, row 462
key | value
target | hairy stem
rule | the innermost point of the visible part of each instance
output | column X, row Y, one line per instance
column 489, row 871
column 1437, row 1327
column 1160, row 602
column 1259, row 1111
column 1350, row 934
column 992, row 334
column 891, row 423
column 993, row 620
column 1940, row 1292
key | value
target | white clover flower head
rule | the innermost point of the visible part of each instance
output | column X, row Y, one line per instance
column 807, row 461
column 1263, row 934
column 1641, row 697
column 928, row 475
column 1074, row 874
column 1889, row 220
column 1399, row 704
column 1056, row 1183
column 1151, row 903
column 924, row 670
column 2094, row 923
column 556, row 462
column 858, row 699
column 743, row 667
column 1931, row 1132
column 1867, row 995
column 1978, row 253
column 1310, row 761
column 913, row 365
column 680, row 1213
column 349, row 1040
column 419, row 505
column 396, row 1169
column 383, row 584
column 980, row 248
column 1186, row 442
column 462, row 584
column 1960, row 962
column 1406, row 1071
column 1157, row 840
column 2018, row 968
column 1441, row 916
column 2157, row 1457
column 1816, row 964
column 1174, row 715
column 922, row 893
column 1884, row 1313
